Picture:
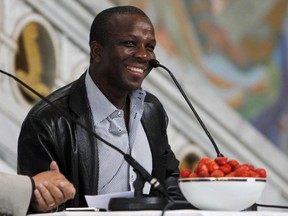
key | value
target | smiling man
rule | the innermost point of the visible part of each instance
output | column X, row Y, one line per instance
column 109, row 100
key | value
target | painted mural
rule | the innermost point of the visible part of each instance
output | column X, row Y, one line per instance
column 236, row 48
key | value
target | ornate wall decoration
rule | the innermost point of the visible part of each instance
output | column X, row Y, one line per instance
column 34, row 65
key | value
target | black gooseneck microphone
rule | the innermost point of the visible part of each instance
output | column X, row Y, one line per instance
column 155, row 63
column 142, row 173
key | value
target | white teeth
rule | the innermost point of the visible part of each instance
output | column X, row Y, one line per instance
column 138, row 70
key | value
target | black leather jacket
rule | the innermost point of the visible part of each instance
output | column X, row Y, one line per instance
column 46, row 134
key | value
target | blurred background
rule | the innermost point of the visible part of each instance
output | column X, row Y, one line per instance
column 229, row 56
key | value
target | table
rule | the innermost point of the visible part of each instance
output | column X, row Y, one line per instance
column 167, row 213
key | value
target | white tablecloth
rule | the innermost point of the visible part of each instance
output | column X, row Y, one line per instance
column 167, row 213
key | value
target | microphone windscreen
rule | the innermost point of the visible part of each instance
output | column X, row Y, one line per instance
column 154, row 63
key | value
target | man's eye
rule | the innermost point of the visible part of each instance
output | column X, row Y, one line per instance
column 150, row 48
column 129, row 43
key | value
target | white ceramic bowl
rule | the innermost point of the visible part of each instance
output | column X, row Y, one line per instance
column 223, row 194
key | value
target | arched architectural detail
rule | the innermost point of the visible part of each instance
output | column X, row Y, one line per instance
column 35, row 60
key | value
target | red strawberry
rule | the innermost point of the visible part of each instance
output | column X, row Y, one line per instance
column 185, row 173
column 201, row 167
column 205, row 160
column 234, row 164
column 193, row 175
column 221, row 160
column 250, row 166
column 203, row 173
column 212, row 166
column 231, row 174
column 261, row 172
column 217, row 173
column 242, row 171
column 253, row 174
column 226, row 168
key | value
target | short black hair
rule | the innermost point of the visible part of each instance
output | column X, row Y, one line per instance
column 99, row 31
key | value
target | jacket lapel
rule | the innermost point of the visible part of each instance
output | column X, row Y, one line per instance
column 85, row 141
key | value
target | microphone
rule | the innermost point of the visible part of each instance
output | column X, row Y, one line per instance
column 138, row 168
column 154, row 64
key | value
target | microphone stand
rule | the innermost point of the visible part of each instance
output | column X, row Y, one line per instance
column 137, row 203
column 155, row 63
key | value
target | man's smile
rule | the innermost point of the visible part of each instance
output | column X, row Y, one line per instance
column 135, row 69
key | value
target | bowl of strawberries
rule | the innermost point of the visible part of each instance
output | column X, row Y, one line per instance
column 222, row 184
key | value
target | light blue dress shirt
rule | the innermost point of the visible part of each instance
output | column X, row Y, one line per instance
column 115, row 175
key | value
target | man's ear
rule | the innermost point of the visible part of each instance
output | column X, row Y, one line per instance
column 96, row 51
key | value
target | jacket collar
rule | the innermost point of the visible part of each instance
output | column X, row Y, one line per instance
column 78, row 97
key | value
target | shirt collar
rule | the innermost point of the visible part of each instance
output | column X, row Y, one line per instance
column 102, row 107
column 98, row 102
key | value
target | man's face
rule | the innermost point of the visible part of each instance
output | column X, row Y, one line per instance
column 124, row 60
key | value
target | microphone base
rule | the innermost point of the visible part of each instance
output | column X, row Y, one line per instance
column 137, row 203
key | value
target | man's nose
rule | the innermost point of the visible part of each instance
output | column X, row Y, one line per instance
column 142, row 53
